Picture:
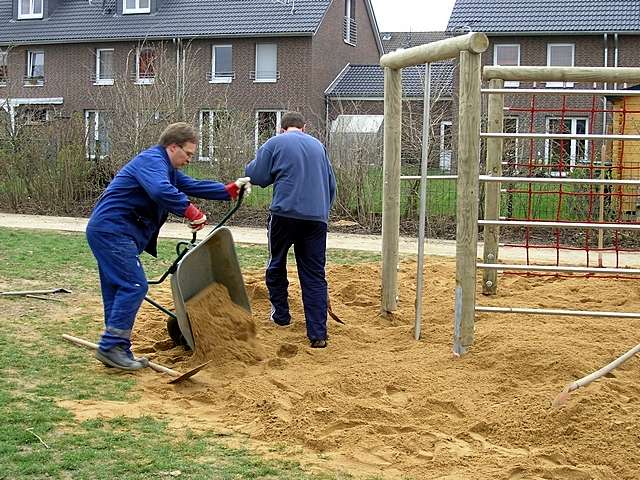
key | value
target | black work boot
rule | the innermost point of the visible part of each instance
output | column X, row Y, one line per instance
column 118, row 357
column 318, row 343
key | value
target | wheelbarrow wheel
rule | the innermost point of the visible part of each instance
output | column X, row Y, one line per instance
column 174, row 332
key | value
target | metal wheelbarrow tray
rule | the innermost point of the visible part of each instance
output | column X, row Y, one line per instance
column 213, row 260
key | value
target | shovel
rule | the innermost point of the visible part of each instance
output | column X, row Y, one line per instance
column 563, row 396
column 158, row 368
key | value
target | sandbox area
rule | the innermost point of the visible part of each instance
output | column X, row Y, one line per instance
column 378, row 402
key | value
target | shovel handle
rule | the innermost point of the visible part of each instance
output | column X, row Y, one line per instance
column 85, row 343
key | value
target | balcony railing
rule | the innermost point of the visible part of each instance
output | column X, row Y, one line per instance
column 33, row 81
column 221, row 77
column 100, row 80
column 265, row 76
column 143, row 78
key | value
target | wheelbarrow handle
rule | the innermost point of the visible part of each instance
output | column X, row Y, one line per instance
column 183, row 247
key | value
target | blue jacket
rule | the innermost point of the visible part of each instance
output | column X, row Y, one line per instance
column 141, row 195
column 298, row 166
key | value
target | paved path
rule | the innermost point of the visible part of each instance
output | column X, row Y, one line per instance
column 369, row 243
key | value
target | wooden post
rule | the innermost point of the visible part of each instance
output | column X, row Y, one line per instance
column 467, row 200
column 495, row 148
column 391, row 188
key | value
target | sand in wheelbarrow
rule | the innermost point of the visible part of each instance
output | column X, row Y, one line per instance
column 222, row 330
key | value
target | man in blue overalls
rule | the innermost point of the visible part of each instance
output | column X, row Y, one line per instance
column 304, row 188
column 126, row 221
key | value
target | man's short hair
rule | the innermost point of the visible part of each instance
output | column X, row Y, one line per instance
column 178, row 133
column 292, row 119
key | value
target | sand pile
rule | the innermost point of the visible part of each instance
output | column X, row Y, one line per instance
column 376, row 401
column 222, row 330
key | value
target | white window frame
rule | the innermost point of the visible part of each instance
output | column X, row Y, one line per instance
column 96, row 131
column 136, row 9
column 273, row 79
column 516, row 143
column 573, row 147
column 4, row 54
column 30, row 56
column 443, row 164
column 99, row 80
column 507, row 83
column 223, row 79
column 573, row 63
column 209, row 156
column 27, row 15
column 143, row 81
column 279, row 114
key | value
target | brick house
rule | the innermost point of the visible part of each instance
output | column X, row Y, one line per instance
column 592, row 33
column 201, row 58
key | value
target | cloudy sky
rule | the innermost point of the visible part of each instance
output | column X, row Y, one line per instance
column 412, row 15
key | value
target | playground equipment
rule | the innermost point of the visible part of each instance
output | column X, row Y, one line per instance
column 469, row 48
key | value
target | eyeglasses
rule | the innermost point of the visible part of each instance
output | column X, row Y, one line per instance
column 188, row 154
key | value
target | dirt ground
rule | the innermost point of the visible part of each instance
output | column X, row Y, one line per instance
column 376, row 402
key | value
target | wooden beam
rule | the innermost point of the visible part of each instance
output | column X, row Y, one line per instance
column 435, row 51
column 563, row 74
column 391, row 188
column 495, row 149
column 467, row 200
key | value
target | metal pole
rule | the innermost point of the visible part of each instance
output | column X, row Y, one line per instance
column 563, row 136
column 582, row 181
column 559, row 268
column 558, row 312
column 528, row 223
column 426, row 129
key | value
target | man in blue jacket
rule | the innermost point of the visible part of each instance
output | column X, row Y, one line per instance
column 304, row 188
column 126, row 221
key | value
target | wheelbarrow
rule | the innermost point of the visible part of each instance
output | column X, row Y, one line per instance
column 197, row 266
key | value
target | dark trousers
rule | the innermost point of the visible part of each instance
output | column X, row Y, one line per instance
column 309, row 240
column 123, row 284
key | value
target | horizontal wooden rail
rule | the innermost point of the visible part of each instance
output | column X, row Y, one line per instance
column 559, row 268
column 557, row 312
column 563, row 74
column 436, row 51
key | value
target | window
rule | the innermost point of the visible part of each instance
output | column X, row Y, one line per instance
column 349, row 28
column 565, row 154
column 560, row 55
column 35, row 68
column 29, row 9
column 145, row 65
column 507, row 56
column 136, row 6
column 104, row 66
column 266, row 63
column 221, row 64
column 267, row 125
column 4, row 69
column 32, row 114
column 97, row 133
column 445, row 146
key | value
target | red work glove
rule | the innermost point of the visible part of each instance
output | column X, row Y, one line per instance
column 197, row 219
column 233, row 188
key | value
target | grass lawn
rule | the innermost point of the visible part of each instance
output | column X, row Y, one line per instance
column 39, row 438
